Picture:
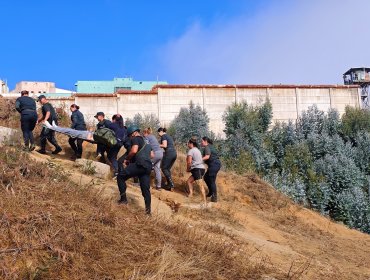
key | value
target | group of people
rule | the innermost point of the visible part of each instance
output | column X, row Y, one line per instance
column 26, row 106
column 144, row 152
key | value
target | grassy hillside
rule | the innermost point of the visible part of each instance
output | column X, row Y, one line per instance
column 52, row 228
column 58, row 223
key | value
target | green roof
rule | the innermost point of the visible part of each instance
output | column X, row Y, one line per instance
column 115, row 85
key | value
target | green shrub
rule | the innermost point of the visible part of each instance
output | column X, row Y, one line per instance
column 355, row 120
column 312, row 162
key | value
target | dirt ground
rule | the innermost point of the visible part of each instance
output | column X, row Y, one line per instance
column 296, row 242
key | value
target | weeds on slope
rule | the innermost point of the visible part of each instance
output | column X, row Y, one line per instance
column 51, row 228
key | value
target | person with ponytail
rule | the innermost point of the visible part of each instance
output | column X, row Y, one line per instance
column 210, row 157
column 120, row 131
column 194, row 164
column 169, row 156
column 158, row 155
column 78, row 123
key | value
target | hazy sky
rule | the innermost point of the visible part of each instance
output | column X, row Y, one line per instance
column 183, row 42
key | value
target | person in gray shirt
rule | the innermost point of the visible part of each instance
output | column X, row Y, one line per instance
column 195, row 165
column 158, row 155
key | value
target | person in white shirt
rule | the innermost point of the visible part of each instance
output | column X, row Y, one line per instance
column 195, row 165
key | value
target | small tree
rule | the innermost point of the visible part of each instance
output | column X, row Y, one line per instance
column 245, row 128
column 311, row 121
column 148, row 120
column 355, row 120
column 191, row 121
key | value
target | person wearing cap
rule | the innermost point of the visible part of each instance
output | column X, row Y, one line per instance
column 26, row 106
column 78, row 123
column 48, row 115
column 102, row 123
column 137, row 164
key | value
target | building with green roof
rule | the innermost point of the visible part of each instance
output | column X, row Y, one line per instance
column 115, row 85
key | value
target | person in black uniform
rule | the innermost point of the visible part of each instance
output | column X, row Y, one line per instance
column 210, row 157
column 49, row 115
column 169, row 157
column 101, row 149
column 26, row 106
column 120, row 130
column 137, row 164
column 78, row 123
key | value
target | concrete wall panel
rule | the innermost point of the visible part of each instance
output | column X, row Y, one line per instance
column 287, row 102
column 251, row 95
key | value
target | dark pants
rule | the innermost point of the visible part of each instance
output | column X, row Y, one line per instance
column 112, row 156
column 48, row 134
column 100, row 150
column 168, row 160
column 210, row 177
column 76, row 145
column 133, row 170
column 28, row 123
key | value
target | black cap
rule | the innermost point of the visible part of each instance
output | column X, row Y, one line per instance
column 99, row 114
column 41, row 97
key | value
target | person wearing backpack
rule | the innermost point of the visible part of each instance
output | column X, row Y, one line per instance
column 137, row 164
column 78, row 123
column 101, row 149
column 121, row 134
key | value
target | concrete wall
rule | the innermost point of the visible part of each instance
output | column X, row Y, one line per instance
column 166, row 101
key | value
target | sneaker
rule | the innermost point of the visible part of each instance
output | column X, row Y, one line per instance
column 168, row 188
column 213, row 198
column 115, row 176
column 25, row 149
column 123, row 200
column 41, row 152
column 209, row 194
column 74, row 157
column 32, row 147
column 57, row 151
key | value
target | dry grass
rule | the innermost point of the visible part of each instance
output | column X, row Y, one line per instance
column 51, row 228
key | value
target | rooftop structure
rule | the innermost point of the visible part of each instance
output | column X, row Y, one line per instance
column 36, row 88
column 359, row 76
column 115, row 85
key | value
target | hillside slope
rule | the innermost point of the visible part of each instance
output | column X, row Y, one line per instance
column 254, row 232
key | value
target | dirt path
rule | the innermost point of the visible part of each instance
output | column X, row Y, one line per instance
column 296, row 241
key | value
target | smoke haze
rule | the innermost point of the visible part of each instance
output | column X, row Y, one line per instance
column 290, row 42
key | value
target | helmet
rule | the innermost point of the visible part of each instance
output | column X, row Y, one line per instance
column 131, row 129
